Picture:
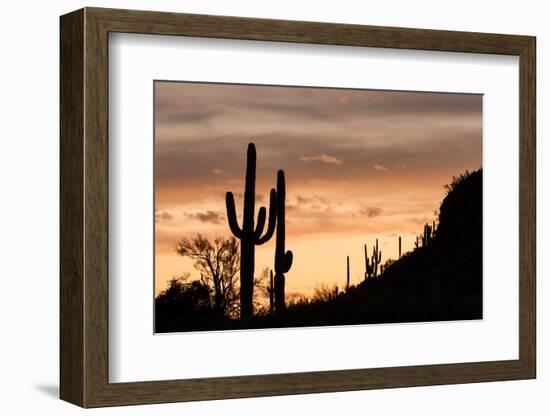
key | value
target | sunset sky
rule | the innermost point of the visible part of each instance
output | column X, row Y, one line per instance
column 359, row 165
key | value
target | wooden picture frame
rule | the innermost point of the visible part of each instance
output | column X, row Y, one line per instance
column 84, row 207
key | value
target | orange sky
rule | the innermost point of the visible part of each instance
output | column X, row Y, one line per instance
column 359, row 165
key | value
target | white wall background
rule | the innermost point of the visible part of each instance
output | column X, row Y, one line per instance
column 29, row 210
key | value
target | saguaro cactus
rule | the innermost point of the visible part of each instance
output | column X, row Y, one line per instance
column 347, row 278
column 283, row 260
column 399, row 247
column 369, row 270
column 376, row 258
column 427, row 235
column 250, row 234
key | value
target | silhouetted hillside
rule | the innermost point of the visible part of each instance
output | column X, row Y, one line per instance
column 438, row 281
column 460, row 217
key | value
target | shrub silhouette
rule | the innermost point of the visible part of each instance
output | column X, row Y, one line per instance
column 182, row 303
column 250, row 234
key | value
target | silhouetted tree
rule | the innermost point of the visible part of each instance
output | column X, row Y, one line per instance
column 250, row 234
column 218, row 264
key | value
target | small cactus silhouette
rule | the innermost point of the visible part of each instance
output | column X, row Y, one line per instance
column 376, row 258
column 399, row 247
column 427, row 235
column 283, row 259
column 250, row 234
column 369, row 269
column 271, row 292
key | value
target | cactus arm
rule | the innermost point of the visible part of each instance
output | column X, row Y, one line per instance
column 287, row 261
column 272, row 219
column 232, row 215
column 260, row 223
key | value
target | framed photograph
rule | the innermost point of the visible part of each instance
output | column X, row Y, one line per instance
column 255, row 207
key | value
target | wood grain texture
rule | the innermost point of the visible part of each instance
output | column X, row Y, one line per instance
column 84, row 207
column 527, row 207
column 71, row 213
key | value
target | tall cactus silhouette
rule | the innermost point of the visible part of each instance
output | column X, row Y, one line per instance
column 250, row 234
column 283, row 259
column 347, row 275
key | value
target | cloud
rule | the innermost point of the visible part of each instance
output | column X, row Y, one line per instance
column 212, row 217
column 217, row 171
column 313, row 200
column 239, row 196
column 322, row 158
column 371, row 212
column 303, row 200
column 164, row 216
column 380, row 168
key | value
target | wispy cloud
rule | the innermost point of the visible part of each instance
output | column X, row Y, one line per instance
column 322, row 158
column 371, row 212
column 380, row 168
column 363, row 151
column 212, row 217
column 164, row 216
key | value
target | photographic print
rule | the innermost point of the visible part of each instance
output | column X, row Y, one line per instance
column 291, row 206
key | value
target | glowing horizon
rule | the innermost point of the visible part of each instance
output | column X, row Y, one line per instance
column 359, row 165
